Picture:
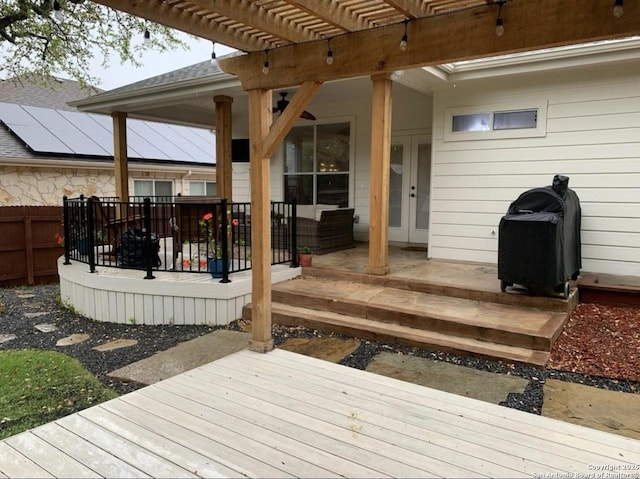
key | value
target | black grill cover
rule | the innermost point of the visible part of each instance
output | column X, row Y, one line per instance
column 539, row 242
column 132, row 249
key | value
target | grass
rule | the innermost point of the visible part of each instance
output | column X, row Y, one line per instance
column 40, row 386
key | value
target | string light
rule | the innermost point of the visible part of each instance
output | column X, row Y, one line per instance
column 213, row 53
column 329, row 52
column 617, row 9
column 499, row 22
column 58, row 13
column 405, row 38
column 147, row 37
column 265, row 67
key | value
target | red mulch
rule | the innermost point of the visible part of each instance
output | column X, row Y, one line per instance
column 600, row 340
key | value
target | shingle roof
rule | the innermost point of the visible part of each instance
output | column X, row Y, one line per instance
column 52, row 93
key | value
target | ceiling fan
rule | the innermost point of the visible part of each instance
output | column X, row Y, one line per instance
column 282, row 104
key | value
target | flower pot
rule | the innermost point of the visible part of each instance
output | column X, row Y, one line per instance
column 304, row 259
column 82, row 245
column 215, row 266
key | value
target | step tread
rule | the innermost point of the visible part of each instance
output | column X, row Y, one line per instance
column 463, row 344
column 488, row 315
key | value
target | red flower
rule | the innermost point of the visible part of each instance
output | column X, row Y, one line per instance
column 235, row 222
column 207, row 216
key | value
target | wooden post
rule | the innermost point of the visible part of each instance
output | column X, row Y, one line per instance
column 379, row 175
column 259, row 122
column 120, row 157
column 223, row 146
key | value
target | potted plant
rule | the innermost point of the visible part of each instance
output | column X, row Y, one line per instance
column 305, row 255
column 214, row 251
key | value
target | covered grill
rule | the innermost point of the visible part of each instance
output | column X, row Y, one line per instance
column 539, row 239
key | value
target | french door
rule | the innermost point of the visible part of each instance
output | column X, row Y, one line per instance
column 409, row 189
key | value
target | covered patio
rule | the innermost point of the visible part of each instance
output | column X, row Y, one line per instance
column 305, row 44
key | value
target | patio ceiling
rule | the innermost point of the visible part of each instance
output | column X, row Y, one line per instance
column 364, row 35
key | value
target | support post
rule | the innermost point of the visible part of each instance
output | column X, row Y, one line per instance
column 379, row 175
column 120, row 157
column 260, row 103
column 223, row 146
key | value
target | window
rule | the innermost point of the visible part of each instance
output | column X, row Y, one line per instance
column 316, row 164
column 145, row 188
column 202, row 188
column 497, row 121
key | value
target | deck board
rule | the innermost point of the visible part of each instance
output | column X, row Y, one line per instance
column 287, row 415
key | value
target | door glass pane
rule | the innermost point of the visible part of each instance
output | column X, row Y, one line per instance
column 164, row 188
column 298, row 150
column 211, row 188
column 196, row 188
column 333, row 147
column 423, row 186
column 395, row 186
column 333, row 190
column 143, row 188
column 299, row 187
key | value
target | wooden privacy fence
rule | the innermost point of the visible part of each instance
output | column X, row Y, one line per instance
column 28, row 246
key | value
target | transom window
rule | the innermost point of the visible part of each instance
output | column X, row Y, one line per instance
column 316, row 164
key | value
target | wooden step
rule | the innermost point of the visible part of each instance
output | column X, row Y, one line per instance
column 484, row 321
column 513, row 297
column 398, row 334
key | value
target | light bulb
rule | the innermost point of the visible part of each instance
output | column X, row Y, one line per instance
column 147, row 38
column 403, row 42
column 213, row 53
column 499, row 27
column 617, row 9
column 58, row 13
column 329, row 57
column 265, row 68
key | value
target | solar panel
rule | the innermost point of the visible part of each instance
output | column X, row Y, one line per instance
column 77, row 140
column 88, row 125
column 85, row 134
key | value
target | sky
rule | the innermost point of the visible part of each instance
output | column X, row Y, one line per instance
column 155, row 63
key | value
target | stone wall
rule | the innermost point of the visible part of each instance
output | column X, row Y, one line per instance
column 28, row 186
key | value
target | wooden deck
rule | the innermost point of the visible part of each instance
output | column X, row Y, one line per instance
column 287, row 415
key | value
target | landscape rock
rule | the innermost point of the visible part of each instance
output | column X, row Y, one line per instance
column 469, row 382
column 46, row 327
column 611, row 411
column 116, row 344
column 328, row 349
column 73, row 339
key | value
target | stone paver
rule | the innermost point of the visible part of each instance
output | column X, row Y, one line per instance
column 328, row 349
column 183, row 357
column 73, row 339
column 489, row 387
column 4, row 338
column 26, row 296
column 116, row 344
column 36, row 315
column 46, row 327
column 610, row 411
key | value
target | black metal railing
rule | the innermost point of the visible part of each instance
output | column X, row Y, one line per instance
column 182, row 234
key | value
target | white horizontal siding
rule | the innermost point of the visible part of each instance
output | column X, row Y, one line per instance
column 593, row 136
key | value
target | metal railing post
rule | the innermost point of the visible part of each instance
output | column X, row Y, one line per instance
column 225, row 242
column 294, row 234
column 66, row 229
column 148, row 255
column 91, row 234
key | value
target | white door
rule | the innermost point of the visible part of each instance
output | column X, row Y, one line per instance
column 409, row 189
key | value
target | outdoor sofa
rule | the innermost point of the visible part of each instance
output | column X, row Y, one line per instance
column 324, row 228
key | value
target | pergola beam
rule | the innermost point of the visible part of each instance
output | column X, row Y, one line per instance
column 463, row 35
column 333, row 13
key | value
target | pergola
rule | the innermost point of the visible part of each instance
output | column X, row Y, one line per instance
column 287, row 43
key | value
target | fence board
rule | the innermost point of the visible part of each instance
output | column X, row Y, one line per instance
column 28, row 248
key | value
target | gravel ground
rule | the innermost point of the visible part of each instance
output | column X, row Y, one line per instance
column 17, row 303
